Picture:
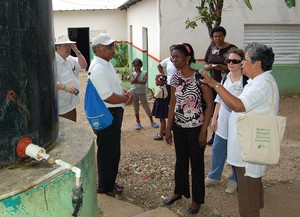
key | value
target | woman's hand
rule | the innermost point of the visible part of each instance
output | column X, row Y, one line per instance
column 203, row 138
column 208, row 80
column 213, row 125
column 169, row 137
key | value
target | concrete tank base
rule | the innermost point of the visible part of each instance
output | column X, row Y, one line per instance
column 37, row 189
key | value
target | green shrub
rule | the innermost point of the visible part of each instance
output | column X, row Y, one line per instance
column 121, row 54
column 124, row 73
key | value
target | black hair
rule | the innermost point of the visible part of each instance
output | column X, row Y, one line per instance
column 162, row 78
column 217, row 29
column 262, row 53
column 137, row 61
column 187, row 50
column 172, row 47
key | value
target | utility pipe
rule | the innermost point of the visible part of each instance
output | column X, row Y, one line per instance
column 26, row 148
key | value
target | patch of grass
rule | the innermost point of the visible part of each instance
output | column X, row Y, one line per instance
column 126, row 84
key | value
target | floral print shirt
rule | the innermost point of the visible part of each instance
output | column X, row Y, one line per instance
column 188, row 108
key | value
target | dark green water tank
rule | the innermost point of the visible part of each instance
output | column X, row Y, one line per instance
column 28, row 104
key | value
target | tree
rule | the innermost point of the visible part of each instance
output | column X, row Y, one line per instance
column 210, row 13
column 289, row 3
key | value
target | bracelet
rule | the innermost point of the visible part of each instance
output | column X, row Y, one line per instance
column 218, row 85
column 64, row 87
column 77, row 54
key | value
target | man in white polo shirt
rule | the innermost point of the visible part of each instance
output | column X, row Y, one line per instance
column 108, row 85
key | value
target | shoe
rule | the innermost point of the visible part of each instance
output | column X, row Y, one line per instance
column 171, row 201
column 117, row 186
column 138, row 126
column 193, row 211
column 155, row 125
column 158, row 137
column 112, row 193
column 231, row 187
column 211, row 141
column 211, row 182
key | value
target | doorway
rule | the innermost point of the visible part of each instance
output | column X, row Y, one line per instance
column 81, row 36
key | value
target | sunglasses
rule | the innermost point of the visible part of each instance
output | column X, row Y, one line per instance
column 110, row 46
column 233, row 61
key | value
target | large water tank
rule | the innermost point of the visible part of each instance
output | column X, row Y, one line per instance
column 27, row 86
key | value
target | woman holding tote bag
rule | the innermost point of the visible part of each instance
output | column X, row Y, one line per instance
column 259, row 96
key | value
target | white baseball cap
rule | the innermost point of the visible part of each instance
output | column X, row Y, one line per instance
column 103, row 39
column 64, row 39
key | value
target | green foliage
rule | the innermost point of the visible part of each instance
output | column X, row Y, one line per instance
column 124, row 73
column 248, row 3
column 121, row 54
column 290, row 3
column 209, row 12
column 126, row 85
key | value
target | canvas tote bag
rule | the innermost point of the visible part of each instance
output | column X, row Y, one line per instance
column 260, row 136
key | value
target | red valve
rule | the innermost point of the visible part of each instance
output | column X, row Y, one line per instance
column 22, row 146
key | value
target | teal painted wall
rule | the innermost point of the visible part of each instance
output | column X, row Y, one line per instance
column 288, row 79
column 53, row 198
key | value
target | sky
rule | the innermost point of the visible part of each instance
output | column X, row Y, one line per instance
column 86, row 4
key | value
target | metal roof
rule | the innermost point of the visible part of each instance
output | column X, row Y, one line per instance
column 65, row 5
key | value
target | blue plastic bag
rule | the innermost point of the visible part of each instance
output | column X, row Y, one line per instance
column 95, row 110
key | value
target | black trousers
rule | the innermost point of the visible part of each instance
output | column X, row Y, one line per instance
column 188, row 150
column 109, row 151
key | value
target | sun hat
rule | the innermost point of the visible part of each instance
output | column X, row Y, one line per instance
column 103, row 39
column 64, row 39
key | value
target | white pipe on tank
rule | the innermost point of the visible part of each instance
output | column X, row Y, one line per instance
column 68, row 166
column 39, row 153
column 25, row 147
column 35, row 151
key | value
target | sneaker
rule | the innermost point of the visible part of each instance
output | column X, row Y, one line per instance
column 138, row 126
column 211, row 182
column 158, row 137
column 231, row 187
column 155, row 125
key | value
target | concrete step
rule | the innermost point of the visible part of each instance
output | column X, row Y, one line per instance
column 113, row 207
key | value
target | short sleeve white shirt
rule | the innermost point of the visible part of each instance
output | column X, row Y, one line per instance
column 105, row 80
column 170, row 68
column 67, row 72
column 162, row 92
column 257, row 98
column 235, row 89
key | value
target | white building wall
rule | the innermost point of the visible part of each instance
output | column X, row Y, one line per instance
column 165, row 21
column 235, row 14
column 113, row 22
column 172, row 19
column 145, row 14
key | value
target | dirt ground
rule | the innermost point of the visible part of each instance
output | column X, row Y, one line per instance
column 147, row 167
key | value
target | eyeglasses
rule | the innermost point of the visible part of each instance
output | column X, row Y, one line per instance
column 233, row 61
column 110, row 46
